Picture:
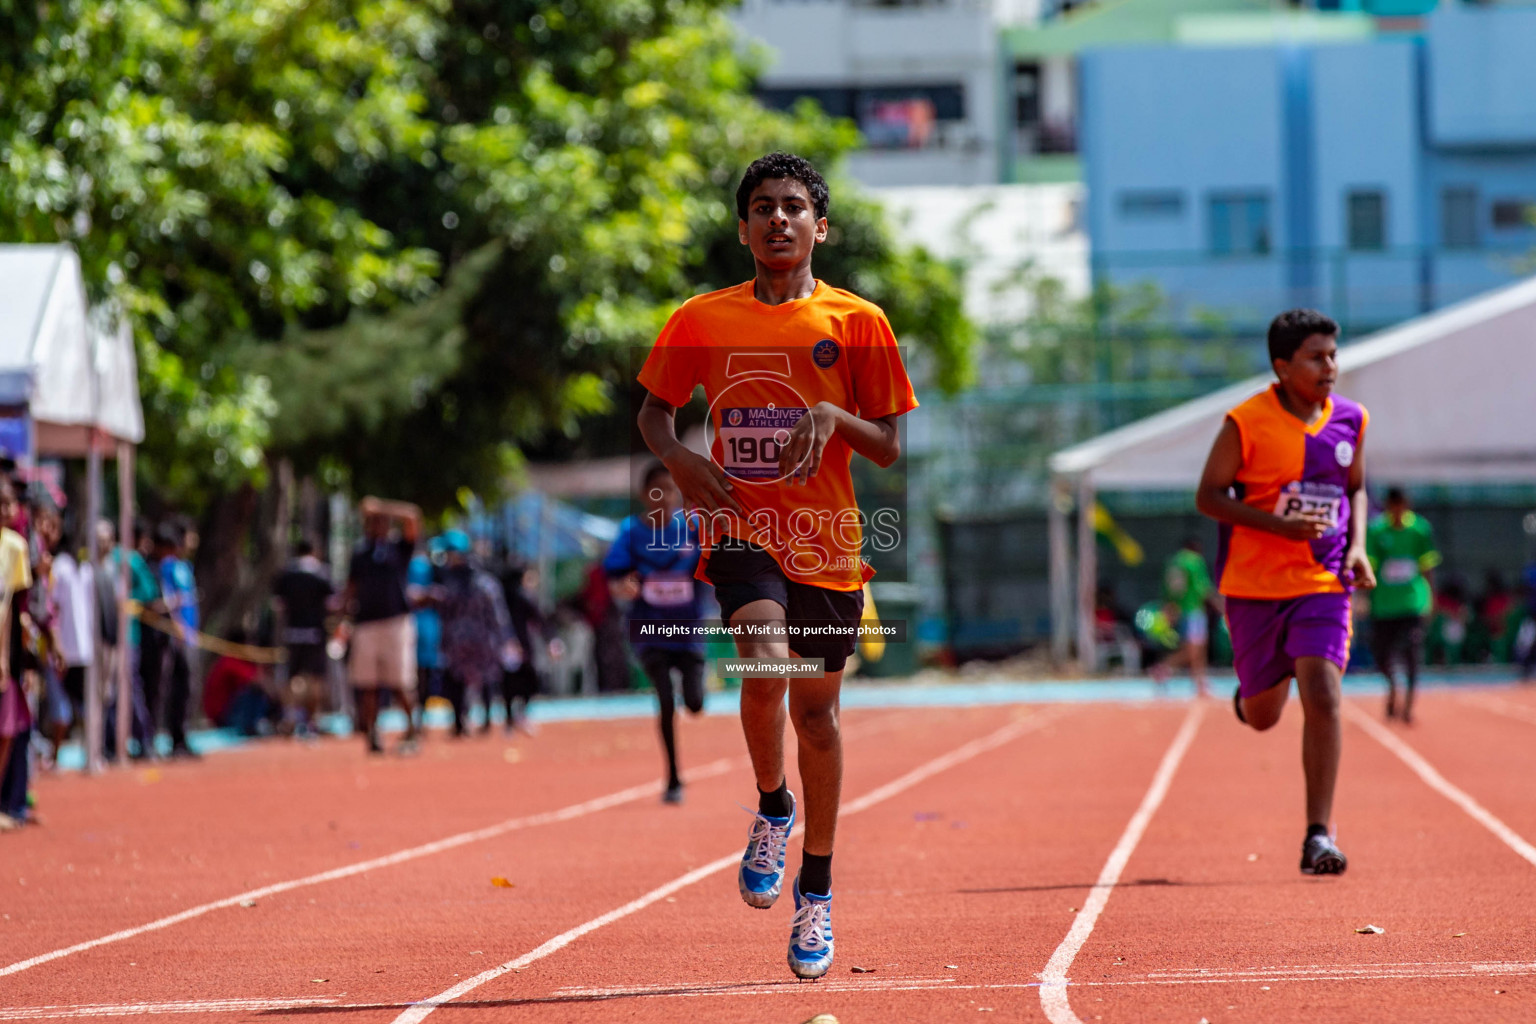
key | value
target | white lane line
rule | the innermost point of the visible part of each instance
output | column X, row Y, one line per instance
column 1053, row 987
column 1210, row 976
column 1193, row 976
column 1432, row 778
column 140, row 1009
column 568, row 813
column 602, row 803
column 419, row 1011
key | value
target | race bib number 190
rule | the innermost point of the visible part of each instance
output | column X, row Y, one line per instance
column 751, row 440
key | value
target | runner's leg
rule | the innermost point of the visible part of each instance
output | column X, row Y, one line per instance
column 762, row 700
column 1413, row 646
column 813, row 707
column 1383, row 642
column 658, row 667
column 1319, row 683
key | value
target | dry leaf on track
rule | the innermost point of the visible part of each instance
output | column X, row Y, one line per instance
column 502, row 883
column 1371, row 929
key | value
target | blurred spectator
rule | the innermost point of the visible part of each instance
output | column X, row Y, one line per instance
column 149, row 644
column 1525, row 642
column 429, row 626
column 15, row 714
column 1492, row 633
column 520, row 672
column 234, row 696
column 1114, row 631
column 383, row 654
column 477, row 629
column 1401, row 547
column 596, row 605
column 56, row 712
column 178, row 588
column 302, row 595
column 74, row 590
column 1447, row 638
column 1186, row 590
column 108, row 572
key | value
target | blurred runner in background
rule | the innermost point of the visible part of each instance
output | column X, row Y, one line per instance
column 651, row 564
column 1402, row 550
column 1186, row 589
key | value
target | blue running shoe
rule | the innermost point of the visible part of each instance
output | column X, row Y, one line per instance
column 810, row 935
column 762, row 866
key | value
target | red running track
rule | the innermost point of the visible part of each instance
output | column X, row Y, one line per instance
column 966, row 864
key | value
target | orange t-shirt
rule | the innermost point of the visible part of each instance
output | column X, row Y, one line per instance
column 763, row 367
column 1291, row 466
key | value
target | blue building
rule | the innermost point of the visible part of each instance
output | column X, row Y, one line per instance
column 1309, row 158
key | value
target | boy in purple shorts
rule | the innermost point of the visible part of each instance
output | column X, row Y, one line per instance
column 1286, row 480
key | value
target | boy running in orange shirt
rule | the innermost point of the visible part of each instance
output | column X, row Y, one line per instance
column 1286, row 479
column 799, row 377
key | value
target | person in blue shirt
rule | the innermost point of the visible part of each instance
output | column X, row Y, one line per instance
column 429, row 627
column 178, row 588
column 651, row 564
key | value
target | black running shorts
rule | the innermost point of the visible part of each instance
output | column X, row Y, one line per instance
column 742, row 572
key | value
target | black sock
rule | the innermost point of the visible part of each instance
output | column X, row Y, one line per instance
column 816, row 874
column 1316, row 830
column 774, row 804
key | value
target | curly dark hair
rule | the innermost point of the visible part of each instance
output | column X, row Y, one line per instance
column 1288, row 330
column 783, row 165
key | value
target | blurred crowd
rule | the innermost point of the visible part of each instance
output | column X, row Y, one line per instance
column 1418, row 614
column 61, row 615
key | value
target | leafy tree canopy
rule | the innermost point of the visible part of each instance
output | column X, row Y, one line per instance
column 404, row 237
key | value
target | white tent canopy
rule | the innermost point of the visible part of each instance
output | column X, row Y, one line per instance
column 71, row 371
column 1452, row 398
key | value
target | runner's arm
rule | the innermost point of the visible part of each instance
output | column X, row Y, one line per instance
column 1356, row 561
column 876, row 439
column 704, row 485
column 1214, row 497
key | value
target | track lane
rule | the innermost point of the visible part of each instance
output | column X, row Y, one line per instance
column 1238, row 934
column 976, row 867
column 390, row 935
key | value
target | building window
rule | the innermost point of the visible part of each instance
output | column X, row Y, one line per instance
column 889, row 116
column 1366, row 220
column 1512, row 214
column 1458, row 218
column 1240, row 224
column 1026, row 95
column 1151, row 205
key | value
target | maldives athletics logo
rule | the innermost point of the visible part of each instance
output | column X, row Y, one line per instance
column 825, row 353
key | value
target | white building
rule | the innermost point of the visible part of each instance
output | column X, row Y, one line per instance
column 923, row 79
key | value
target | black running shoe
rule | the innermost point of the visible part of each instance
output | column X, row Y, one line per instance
column 1320, row 857
column 1237, row 704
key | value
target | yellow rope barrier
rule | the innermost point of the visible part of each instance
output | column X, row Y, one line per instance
column 169, row 626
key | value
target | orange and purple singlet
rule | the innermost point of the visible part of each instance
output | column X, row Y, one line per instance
column 1288, row 599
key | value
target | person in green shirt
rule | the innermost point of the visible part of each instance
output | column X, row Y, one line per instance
column 1401, row 547
column 1186, row 589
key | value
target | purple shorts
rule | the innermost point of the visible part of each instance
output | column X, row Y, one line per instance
column 1268, row 636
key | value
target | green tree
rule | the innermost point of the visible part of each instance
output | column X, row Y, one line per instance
column 597, row 146
column 402, row 240
column 168, row 141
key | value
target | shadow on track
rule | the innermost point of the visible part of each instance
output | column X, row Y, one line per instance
column 1143, row 882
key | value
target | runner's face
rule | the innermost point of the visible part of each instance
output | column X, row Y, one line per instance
column 781, row 227
column 1310, row 373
